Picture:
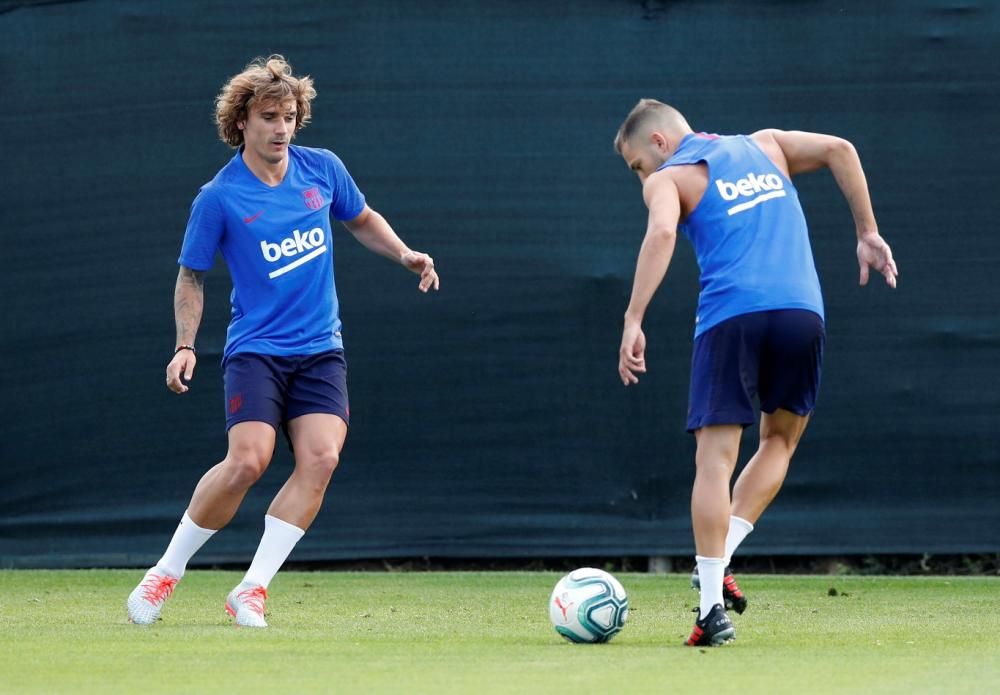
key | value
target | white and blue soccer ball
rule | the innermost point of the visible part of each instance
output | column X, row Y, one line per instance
column 588, row 605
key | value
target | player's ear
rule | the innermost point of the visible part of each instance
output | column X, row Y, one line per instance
column 658, row 139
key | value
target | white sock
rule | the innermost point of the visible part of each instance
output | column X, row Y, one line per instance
column 187, row 540
column 710, row 571
column 738, row 530
column 275, row 545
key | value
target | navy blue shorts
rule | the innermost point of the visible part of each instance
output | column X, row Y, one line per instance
column 774, row 355
column 271, row 389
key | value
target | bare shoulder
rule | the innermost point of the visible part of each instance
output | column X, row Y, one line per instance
column 659, row 180
column 683, row 183
column 767, row 141
column 764, row 135
column 800, row 151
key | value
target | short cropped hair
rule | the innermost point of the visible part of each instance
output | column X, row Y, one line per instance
column 263, row 80
column 645, row 112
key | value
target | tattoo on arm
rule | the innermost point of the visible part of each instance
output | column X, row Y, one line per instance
column 189, row 300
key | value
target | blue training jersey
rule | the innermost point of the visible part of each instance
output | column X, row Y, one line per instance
column 748, row 231
column 278, row 245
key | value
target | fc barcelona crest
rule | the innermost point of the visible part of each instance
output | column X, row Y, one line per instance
column 313, row 197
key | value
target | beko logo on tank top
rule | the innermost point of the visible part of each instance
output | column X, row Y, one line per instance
column 757, row 187
column 302, row 246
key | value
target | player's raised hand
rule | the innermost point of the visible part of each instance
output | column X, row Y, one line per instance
column 632, row 353
column 181, row 366
column 422, row 265
column 874, row 252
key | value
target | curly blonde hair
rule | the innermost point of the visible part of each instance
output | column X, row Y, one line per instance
column 263, row 80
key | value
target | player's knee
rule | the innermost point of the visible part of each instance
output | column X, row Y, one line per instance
column 712, row 455
column 315, row 470
column 244, row 468
column 322, row 464
column 780, row 439
column 713, row 466
column 782, row 428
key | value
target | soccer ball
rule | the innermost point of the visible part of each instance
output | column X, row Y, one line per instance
column 588, row 605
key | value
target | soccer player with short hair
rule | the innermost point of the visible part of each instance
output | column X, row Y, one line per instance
column 759, row 328
column 268, row 212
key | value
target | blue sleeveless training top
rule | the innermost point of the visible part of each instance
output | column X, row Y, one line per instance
column 748, row 231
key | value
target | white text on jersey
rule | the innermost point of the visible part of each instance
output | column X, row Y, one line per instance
column 769, row 186
column 311, row 243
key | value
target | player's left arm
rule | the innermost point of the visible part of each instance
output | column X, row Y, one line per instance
column 803, row 152
column 377, row 235
column 663, row 200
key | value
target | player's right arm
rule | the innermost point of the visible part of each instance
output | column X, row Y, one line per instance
column 803, row 152
column 189, row 302
column 205, row 229
column 663, row 200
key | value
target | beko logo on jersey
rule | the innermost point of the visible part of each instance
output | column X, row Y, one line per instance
column 753, row 183
column 311, row 243
column 293, row 245
column 769, row 186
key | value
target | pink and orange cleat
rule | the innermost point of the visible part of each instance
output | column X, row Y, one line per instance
column 246, row 604
column 146, row 600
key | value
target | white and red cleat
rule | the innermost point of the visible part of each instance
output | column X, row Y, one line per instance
column 146, row 600
column 246, row 604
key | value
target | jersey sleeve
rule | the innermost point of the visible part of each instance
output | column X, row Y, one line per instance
column 204, row 231
column 348, row 200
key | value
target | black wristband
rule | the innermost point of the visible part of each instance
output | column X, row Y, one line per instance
column 185, row 347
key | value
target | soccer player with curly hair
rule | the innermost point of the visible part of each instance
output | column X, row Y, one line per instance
column 268, row 212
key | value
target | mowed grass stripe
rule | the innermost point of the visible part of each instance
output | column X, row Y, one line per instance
column 488, row 632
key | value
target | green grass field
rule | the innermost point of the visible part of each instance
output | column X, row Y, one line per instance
column 488, row 632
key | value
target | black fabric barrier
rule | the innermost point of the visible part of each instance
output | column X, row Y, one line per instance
column 488, row 419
